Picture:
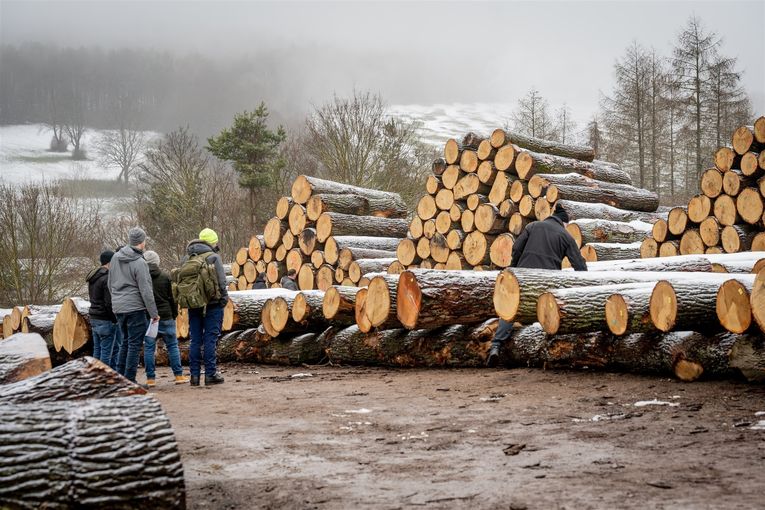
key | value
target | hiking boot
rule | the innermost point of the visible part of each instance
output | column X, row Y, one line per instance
column 150, row 383
column 182, row 379
column 493, row 359
column 213, row 379
column 195, row 380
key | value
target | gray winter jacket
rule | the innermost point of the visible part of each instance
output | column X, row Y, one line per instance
column 288, row 283
column 130, row 283
column 198, row 246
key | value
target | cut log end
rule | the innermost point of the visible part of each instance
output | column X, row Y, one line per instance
column 663, row 306
column 408, row 300
column 617, row 314
column 506, row 295
column 548, row 313
column 733, row 307
column 378, row 301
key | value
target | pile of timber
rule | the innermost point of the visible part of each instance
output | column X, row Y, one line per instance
column 485, row 190
column 328, row 233
column 74, row 414
column 729, row 213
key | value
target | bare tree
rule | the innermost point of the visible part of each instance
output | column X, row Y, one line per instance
column 531, row 116
column 728, row 104
column 49, row 242
column 74, row 120
column 121, row 148
column 564, row 124
column 594, row 135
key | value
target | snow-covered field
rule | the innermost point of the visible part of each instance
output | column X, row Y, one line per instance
column 439, row 122
column 24, row 156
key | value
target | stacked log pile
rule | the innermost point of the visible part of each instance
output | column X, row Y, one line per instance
column 729, row 214
column 328, row 232
column 485, row 190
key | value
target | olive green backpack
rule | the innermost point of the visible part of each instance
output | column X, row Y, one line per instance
column 195, row 283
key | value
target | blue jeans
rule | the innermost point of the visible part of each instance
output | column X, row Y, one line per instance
column 503, row 333
column 133, row 327
column 204, row 329
column 167, row 330
column 103, row 339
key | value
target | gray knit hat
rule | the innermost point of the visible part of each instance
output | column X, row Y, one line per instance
column 151, row 257
column 136, row 236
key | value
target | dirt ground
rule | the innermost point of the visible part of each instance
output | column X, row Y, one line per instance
column 347, row 437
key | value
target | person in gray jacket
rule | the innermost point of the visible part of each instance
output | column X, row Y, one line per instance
column 132, row 300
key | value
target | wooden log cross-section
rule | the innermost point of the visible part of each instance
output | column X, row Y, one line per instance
column 23, row 355
column 100, row 453
column 71, row 330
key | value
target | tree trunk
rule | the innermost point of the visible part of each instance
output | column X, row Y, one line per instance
column 628, row 310
column 593, row 252
column 339, row 304
column 304, row 186
column 429, row 299
column 77, row 438
column 391, row 206
column 501, row 137
column 23, row 355
column 249, row 305
column 71, row 329
column 702, row 263
column 529, row 163
column 348, row 255
column 335, row 244
column 604, row 231
column 539, row 183
column 360, row 267
column 635, row 200
column 380, row 304
column 583, row 210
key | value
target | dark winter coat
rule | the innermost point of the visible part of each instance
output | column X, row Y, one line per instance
column 260, row 282
column 130, row 283
column 288, row 283
column 196, row 247
column 544, row 244
column 163, row 293
column 100, row 297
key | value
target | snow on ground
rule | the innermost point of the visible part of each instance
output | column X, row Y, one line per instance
column 24, row 156
column 439, row 122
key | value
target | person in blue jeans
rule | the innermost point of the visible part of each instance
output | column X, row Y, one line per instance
column 132, row 300
column 103, row 323
column 205, row 323
column 168, row 311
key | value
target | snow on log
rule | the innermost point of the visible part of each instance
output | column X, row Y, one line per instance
column 23, row 355
column 585, row 231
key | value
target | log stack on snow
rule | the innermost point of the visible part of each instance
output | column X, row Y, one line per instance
column 729, row 214
column 485, row 190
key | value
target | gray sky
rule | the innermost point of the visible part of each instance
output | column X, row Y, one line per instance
column 412, row 52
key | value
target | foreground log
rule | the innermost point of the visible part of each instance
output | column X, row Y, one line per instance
column 430, row 299
column 335, row 244
column 23, row 355
column 500, row 137
column 249, row 306
column 307, row 308
column 733, row 304
column 452, row 346
column 81, row 467
column 379, row 306
column 304, row 186
column 585, row 231
column 255, row 346
column 71, row 330
column 702, row 263
column 582, row 210
column 593, row 252
column 81, row 379
column 628, row 310
column 339, row 303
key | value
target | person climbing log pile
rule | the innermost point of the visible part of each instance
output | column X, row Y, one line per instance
column 729, row 214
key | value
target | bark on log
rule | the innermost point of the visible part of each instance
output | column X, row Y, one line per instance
column 603, row 231
column 736, row 238
column 501, row 137
column 428, row 298
column 80, row 379
column 348, row 255
column 335, row 244
column 702, row 263
column 304, row 186
column 452, row 346
column 80, row 467
column 579, row 309
column 529, row 163
column 583, row 210
column 538, row 184
column 636, row 199
column 71, row 330
column 593, row 252
column 249, row 305
column 387, row 207
column 307, row 308
column 23, row 355
column 757, row 300
column 336, row 224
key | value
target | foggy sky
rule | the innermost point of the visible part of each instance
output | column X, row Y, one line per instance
column 414, row 52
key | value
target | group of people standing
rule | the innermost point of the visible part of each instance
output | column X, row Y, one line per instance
column 129, row 293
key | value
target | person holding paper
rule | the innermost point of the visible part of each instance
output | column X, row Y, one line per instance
column 132, row 300
column 168, row 311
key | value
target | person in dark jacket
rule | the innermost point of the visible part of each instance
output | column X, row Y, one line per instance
column 205, row 323
column 168, row 311
column 541, row 245
column 103, row 322
column 260, row 282
column 288, row 281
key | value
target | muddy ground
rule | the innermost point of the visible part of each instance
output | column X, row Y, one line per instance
column 348, row 437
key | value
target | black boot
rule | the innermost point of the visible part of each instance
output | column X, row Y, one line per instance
column 493, row 359
column 195, row 380
column 213, row 379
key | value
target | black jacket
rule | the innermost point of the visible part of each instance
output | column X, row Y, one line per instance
column 543, row 244
column 163, row 293
column 260, row 282
column 100, row 297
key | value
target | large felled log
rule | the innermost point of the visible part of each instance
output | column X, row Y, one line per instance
column 636, row 199
column 602, row 231
column 429, row 299
column 388, row 207
column 500, row 137
column 528, row 163
column 649, row 248
column 348, row 255
column 379, row 305
column 628, row 310
column 256, row 346
column 579, row 309
column 307, row 308
column 360, row 267
column 103, row 453
column 452, row 346
column 23, row 355
column 538, row 184
column 71, row 330
column 736, row 238
column 610, row 251
column 583, row 210
column 335, row 244
column 702, row 263
column 304, row 186
column 249, row 306
column 339, row 303
column 80, row 379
